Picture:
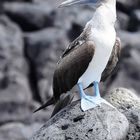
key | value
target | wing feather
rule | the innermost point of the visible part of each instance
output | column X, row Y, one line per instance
column 71, row 67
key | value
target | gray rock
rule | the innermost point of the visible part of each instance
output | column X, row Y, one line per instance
column 122, row 20
column 15, row 0
column 129, row 38
column 29, row 16
column 18, row 131
column 43, row 49
column 128, row 75
column 15, row 93
column 13, row 68
column 100, row 123
column 134, row 23
column 66, row 17
column 52, row 3
column 13, row 112
column 137, row 14
column 128, row 103
column 129, row 3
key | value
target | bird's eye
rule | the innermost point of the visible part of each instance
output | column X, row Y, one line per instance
column 77, row 43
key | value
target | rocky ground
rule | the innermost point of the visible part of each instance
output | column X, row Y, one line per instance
column 105, row 122
column 33, row 34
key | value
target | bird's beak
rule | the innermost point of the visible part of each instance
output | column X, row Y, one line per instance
column 75, row 2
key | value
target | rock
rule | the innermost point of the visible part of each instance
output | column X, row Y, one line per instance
column 19, row 0
column 52, row 3
column 137, row 15
column 122, row 20
column 130, row 4
column 129, row 38
column 15, row 0
column 100, row 123
column 18, row 131
column 13, row 112
column 13, row 68
column 65, row 17
column 134, row 23
column 29, row 16
column 128, row 103
column 43, row 49
column 14, row 89
column 128, row 75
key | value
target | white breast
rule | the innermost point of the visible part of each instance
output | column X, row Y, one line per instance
column 104, row 41
column 103, row 36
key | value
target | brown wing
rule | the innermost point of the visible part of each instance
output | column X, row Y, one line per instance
column 77, row 42
column 113, row 60
column 71, row 67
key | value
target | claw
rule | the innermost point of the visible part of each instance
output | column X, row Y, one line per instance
column 89, row 102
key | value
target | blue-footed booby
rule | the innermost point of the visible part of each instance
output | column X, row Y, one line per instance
column 90, row 58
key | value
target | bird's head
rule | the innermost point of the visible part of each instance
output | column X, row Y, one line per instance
column 93, row 3
column 84, row 2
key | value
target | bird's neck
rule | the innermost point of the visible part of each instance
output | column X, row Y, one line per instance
column 104, row 15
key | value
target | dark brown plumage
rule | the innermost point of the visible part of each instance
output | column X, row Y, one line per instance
column 71, row 67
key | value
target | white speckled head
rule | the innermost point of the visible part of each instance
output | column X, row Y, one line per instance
column 94, row 3
column 77, row 2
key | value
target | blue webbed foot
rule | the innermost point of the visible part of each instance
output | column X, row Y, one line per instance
column 88, row 102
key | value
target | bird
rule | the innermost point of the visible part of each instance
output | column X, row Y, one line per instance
column 89, row 59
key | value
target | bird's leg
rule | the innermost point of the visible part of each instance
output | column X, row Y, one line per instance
column 88, row 102
column 96, row 89
column 97, row 95
column 82, row 93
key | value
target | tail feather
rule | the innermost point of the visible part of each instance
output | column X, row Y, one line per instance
column 65, row 100
column 48, row 103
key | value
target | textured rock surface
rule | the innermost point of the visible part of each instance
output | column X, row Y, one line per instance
column 14, row 88
column 128, row 103
column 130, row 4
column 129, row 38
column 128, row 75
column 13, row 68
column 71, row 123
column 16, row 102
column 123, row 20
column 43, row 49
column 18, row 131
column 29, row 16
